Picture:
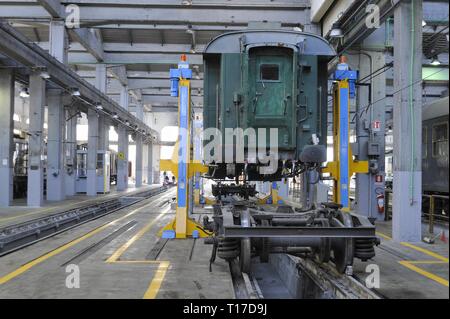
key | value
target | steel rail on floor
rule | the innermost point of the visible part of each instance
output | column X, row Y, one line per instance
column 18, row 236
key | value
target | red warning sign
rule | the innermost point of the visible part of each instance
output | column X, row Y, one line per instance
column 376, row 126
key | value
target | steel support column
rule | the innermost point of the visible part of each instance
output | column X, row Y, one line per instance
column 150, row 163
column 124, row 98
column 92, row 153
column 407, row 184
column 6, row 133
column 35, row 191
column 122, row 160
column 55, row 156
column 70, row 150
column 139, row 158
column 370, row 129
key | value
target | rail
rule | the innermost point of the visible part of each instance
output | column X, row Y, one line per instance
column 15, row 237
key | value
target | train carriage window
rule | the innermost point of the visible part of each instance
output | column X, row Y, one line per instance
column 269, row 72
column 440, row 140
column 424, row 142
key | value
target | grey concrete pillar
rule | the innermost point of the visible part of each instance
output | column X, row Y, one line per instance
column 122, row 160
column 156, row 171
column 103, row 124
column 6, row 133
column 124, row 97
column 92, row 153
column 101, row 77
column 58, row 40
column 103, row 133
column 150, row 163
column 139, row 158
column 55, row 145
column 70, row 151
column 407, row 184
column 369, row 133
column 35, row 188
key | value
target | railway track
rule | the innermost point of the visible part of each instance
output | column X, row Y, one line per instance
column 292, row 277
column 15, row 237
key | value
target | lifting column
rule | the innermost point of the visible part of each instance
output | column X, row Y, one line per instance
column 343, row 166
column 181, row 164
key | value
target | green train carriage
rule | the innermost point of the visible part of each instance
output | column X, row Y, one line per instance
column 264, row 79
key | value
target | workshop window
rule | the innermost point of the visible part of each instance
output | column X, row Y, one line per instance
column 440, row 140
column 269, row 72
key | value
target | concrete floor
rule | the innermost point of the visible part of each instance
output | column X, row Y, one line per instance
column 119, row 268
column 112, row 254
column 412, row 271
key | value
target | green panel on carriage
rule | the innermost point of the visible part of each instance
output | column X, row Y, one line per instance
column 268, row 79
column 271, row 89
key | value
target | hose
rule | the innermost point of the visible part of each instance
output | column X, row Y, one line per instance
column 411, row 105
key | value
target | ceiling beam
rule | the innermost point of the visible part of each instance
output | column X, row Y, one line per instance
column 95, row 14
column 91, row 40
column 133, row 58
column 53, row 7
column 18, row 48
column 120, row 73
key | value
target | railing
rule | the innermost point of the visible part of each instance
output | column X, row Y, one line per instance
column 431, row 214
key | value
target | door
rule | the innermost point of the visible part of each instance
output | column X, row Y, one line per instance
column 271, row 97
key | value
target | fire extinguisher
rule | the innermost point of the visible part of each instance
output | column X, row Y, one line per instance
column 380, row 203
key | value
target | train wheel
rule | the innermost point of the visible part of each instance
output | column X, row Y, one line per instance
column 245, row 256
column 343, row 248
column 323, row 254
column 264, row 250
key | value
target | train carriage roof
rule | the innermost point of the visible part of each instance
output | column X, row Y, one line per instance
column 435, row 109
column 311, row 44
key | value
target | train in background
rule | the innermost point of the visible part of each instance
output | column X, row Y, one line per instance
column 435, row 170
column 435, row 131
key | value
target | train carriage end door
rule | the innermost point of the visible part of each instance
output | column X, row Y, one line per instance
column 271, row 96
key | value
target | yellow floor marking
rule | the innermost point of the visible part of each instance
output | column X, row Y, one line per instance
column 427, row 274
column 383, row 235
column 410, row 263
column 425, row 251
column 116, row 255
column 64, row 247
column 427, row 262
column 163, row 266
column 157, row 280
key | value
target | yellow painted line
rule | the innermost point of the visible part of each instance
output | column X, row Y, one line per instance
column 426, row 262
column 64, row 247
column 116, row 255
column 427, row 274
column 425, row 251
column 163, row 266
column 157, row 280
column 383, row 235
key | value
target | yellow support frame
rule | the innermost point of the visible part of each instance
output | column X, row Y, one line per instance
column 334, row 168
column 182, row 225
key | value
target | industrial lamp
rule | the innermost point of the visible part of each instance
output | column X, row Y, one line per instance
column 24, row 92
column 336, row 31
